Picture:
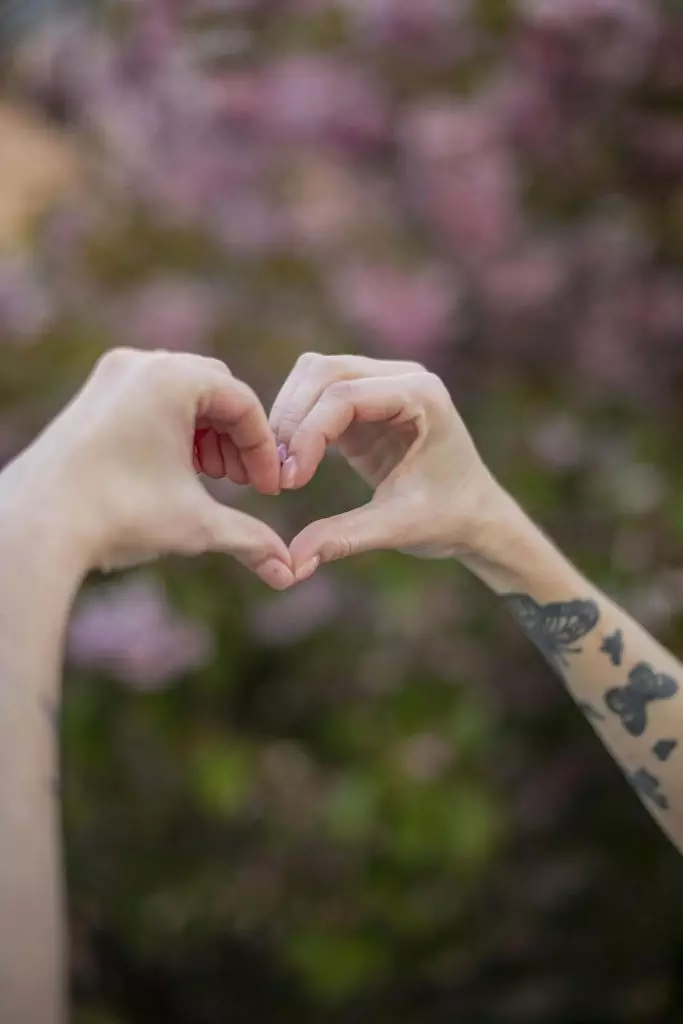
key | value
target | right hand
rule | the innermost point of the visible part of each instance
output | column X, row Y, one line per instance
column 397, row 427
column 118, row 468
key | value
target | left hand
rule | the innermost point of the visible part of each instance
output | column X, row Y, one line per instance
column 116, row 472
column 396, row 425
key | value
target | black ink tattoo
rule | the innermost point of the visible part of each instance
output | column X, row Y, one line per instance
column 590, row 712
column 647, row 786
column 613, row 647
column 663, row 749
column 555, row 628
column 630, row 702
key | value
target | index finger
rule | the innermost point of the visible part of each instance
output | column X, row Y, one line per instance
column 373, row 400
column 235, row 412
column 312, row 374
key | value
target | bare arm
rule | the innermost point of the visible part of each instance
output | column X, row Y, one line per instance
column 112, row 481
column 433, row 497
column 40, row 572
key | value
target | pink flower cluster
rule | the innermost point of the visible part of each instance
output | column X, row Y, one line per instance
column 129, row 629
column 491, row 154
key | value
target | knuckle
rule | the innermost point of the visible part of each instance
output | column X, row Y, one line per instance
column 163, row 368
column 288, row 424
column 336, row 550
column 414, row 368
column 309, row 361
column 218, row 365
column 340, row 390
column 118, row 359
column 434, row 388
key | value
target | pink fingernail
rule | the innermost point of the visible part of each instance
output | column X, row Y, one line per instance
column 282, row 453
column 289, row 472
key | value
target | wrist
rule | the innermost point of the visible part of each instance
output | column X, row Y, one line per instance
column 40, row 515
column 507, row 551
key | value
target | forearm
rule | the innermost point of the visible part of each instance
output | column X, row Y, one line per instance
column 38, row 579
column 625, row 682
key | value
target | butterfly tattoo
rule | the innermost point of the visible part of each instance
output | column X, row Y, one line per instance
column 630, row 702
column 555, row 628
column 613, row 647
column 663, row 749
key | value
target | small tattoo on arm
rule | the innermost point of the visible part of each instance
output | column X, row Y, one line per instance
column 630, row 702
column 590, row 712
column 663, row 749
column 555, row 628
column 613, row 647
column 647, row 787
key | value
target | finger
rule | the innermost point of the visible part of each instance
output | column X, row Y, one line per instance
column 369, row 528
column 217, row 459
column 248, row 540
column 210, row 455
column 236, row 413
column 234, row 467
column 371, row 400
column 312, row 374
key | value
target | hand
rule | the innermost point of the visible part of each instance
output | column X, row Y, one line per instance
column 397, row 427
column 118, row 466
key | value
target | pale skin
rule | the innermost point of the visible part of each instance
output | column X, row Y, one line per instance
column 113, row 481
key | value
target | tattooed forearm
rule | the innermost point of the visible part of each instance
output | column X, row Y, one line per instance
column 613, row 647
column 555, row 628
column 628, row 686
column 630, row 702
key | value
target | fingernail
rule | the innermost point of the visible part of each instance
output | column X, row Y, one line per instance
column 276, row 574
column 282, row 453
column 307, row 570
column 289, row 472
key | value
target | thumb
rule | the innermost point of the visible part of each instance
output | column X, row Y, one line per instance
column 248, row 540
column 369, row 528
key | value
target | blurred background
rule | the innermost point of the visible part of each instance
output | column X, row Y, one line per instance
column 368, row 799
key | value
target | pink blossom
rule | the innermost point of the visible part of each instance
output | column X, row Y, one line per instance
column 611, row 40
column 25, row 303
column 170, row 313
column 238, row 96
column 530, row 281
column 404, row 313
column 330, row 202
column 431, row 29
column 323, row 100
column 463, row 179
column 446, row 131
column 559, row 442
column 128, row 628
